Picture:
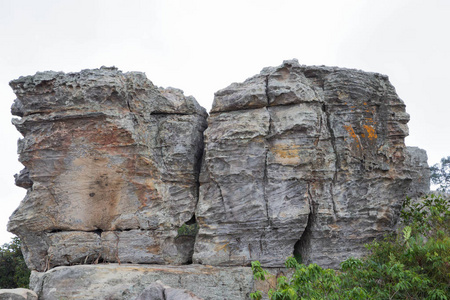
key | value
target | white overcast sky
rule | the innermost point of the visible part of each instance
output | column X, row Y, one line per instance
column 203, row 46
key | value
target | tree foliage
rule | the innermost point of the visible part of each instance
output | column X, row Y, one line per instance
column 13, row 270
column 440, row 174
column 412, row 264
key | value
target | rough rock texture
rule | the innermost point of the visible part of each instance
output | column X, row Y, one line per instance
column 300, row 160
column 159, row 291
column 111, row 167
column 17, row 294
column 417, row 159
column 303, row 160
column 132, row 281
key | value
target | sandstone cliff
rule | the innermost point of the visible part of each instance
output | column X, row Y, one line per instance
column 303, row 159
column 300, row 160
column 111, row 167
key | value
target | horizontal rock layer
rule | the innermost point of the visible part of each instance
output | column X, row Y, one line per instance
column 129, row 281
column 111, row 167
column 300, row 160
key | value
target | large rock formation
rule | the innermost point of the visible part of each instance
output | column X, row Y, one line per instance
column 309, row 160
column 111, row 167
column 300, row 160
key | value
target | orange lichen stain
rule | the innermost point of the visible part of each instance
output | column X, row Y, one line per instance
column 286, row 154
column 221, row 247
column 350, row 131
column 370, row 120
column 371, row 133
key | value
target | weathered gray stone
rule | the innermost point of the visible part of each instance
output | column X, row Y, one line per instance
column 159, row 291
column 111, row 167
column 154, row 292
column 17, row 294
column 420, row 172
column 303, row 160
column 113, row 281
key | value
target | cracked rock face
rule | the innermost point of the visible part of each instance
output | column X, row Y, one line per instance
column 300, row 160
column 111, row 168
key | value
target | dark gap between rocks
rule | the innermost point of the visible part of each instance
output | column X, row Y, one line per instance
column 185, row 240
column 302, row 247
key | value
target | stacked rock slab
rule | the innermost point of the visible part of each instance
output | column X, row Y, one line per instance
column 300, row 160
column 137, row 282
column 111, row 168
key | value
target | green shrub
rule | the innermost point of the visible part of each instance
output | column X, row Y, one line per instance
column 189, row 230
column 413, row 264
column 440, row 174
column 13, row 270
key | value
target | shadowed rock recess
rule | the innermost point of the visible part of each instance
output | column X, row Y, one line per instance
column 297, row 160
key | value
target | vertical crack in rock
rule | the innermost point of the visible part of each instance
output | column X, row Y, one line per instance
column 192, row 223
column 222, row 200
column 302, row 247
column 133, row 114
column 159, row 143
column 316, row 142
column 266, row 179
column 267, row 90
column 337, row 164
column 261, row 248
column 198, row 166
column 333, row 202
column 128, row 104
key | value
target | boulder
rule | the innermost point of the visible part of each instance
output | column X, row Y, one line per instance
column 17, row 294
column 304, row 161
column 111, row 168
